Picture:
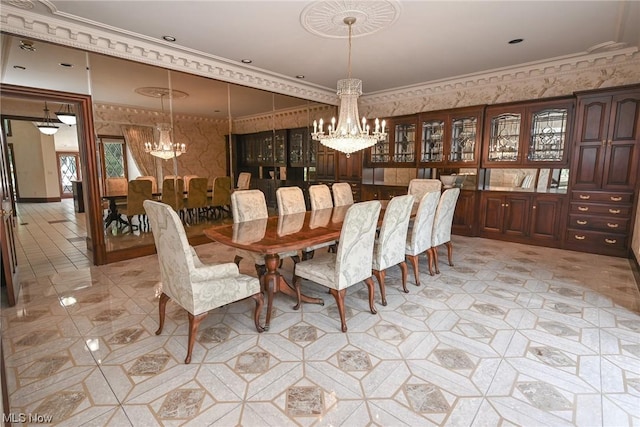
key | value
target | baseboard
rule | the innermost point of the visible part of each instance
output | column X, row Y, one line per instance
column 635, row 267
column 38, row 199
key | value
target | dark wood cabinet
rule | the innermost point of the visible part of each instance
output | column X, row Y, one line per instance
column 382, row 192
column 302, row 150
column 399, row 148
column 546, row 212
column 349, row 168
column 464, row 217
column 326, row 163
column 504, row 214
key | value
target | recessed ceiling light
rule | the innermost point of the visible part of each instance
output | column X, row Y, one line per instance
column 516, row 41
column 246, row 61
column 66, row 64
column 169, row 38
column 27, row 45
column 300, row 76
column 19, row 67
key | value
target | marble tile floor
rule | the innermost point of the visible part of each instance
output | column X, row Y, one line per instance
column 512, row 335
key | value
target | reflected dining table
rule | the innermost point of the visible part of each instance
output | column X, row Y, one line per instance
column 273, row 235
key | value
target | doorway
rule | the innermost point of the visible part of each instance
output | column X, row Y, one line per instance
column 68, row 172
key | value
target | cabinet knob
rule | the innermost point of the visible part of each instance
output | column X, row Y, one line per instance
column 585, row 196
column 534, row 207
column 506, row 205
column 580, row 222
column 604, row 142
column 614, row 211
column 610, row 241
column 583, row 208
column 610, row 225
column 615, row 199
column 579, row 237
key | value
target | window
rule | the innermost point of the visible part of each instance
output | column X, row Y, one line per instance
column 113, row 157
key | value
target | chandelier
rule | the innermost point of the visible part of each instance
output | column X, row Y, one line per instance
column 164, row 148
column 349, row 134
column 66, row 115
column 47, row 127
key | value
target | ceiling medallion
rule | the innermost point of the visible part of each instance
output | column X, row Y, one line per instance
column 22, row 4
column 326, row 18
column 161, row 92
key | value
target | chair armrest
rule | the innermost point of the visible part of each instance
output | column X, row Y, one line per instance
column 206, row 272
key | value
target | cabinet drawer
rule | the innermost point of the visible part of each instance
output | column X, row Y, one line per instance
column 586, row 239
column 601, row 197
column 599, row 223
column 595, row 209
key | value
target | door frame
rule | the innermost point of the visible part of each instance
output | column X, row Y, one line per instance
column 75, row 154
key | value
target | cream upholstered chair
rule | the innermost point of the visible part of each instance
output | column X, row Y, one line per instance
column 139, row 191
column 419, row 234
column 196, row 201
column 244, row 181
column 342, row 194
column 250, row 205
column 419, row 187
column 352, row 262
column 154, row 183
column 389, row 248
column 221, row 196
column 196, row 287
column 442, row 222
column 320, row 198
column 173, row 193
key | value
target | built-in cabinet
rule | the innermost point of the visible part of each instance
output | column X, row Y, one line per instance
column 302, row 150
column 398, row 149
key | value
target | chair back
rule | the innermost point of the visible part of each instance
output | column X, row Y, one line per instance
column 419, row 239
column 197, row 193
column 420, row 187
column 247, row 205
column 187, row 180
column 290, row 200
column 154, row 183
column 221, row 195
column 392, row 237
column 320, row 197
column 244, row 181
column 355, row 251
column 173, row 193
column 139, row 191
column 444, row 217
column 116, row 186
column 174, row 254
column 342, row 194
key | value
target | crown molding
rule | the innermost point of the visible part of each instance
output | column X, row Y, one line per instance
column 153, row 114
column 100, row 38
column 554, row 67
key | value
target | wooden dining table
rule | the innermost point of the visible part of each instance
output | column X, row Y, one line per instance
column 273, row 235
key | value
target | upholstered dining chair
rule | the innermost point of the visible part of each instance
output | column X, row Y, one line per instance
column 352, row 262
column 196, row 201
column 187, row 179
column 419, row 233
column 389, row 248
column 154, row 182
column 116, row 185
column 196, row 287
column 320, row 198
column 342, row 194
column 442, row 223
column 419, row 187
column 221, row 196
column 173, row 193
column 250, row 205
column 244, row 181
column 138, row 191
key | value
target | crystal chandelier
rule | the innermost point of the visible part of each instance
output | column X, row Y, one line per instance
column 47, row 127
column 164, row 148
column 349, row 134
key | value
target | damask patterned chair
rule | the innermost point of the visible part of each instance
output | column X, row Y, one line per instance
column 442, row 227
column 320, row 198
column 342, row 194
column 196, row 201
column 389, row 248
column 244, row 181
column 419, row 234
column 139, row 191
column 420, row 187
column 249, row 205
column 154, row 183
column 220, row 201
column 351, row 264
column 173, row 194
column 196, row 287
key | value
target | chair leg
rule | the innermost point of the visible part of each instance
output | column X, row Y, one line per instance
column 339, row 296
column 403, row 268
column 380, row 275
column 295, row 259
column 450, row 252
column 259, row 298
column 237, row 260
column 307, row 255
column 162, row 306
column 194, row 322
column 260, row 270
column 430, row 260
column 296, row 285
column 372, row 290
column 434, row 251
column 414, row 263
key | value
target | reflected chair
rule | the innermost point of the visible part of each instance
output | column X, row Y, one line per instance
column 419, row 233
column 154, row 183
column 442, row 223
column 116, row 186
column 173, row 194
column 139, row 190
column 419, row 187
column 250, row 205
column 389, row 248
column 342, row 194
column 221, row 196
column 196, row 201
column 187, row 179
column 196, row 287
column 352, row 262
column 320, row 198
column 244, row 181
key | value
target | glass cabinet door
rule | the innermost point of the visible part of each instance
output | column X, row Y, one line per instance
column 280, row 139
column 463, row 139
column 380, row 151
column 266, row 147
column 432, row 141
column 296, row 148
column 548, row 135
column 504, row 139
column 405, row 143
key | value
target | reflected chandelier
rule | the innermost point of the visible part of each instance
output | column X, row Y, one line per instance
column 47, row 127
column 164, row 148
column 349, row 134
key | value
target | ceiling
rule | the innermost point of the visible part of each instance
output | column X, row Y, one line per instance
column 409, row 42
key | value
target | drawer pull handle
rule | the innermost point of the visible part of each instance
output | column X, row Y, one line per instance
column 614, row 211
column 615, row 199
column 585, row 197
column 610, row 225
column 610, row 241
column 583, row 208
column 581, row 222
column 579, row 237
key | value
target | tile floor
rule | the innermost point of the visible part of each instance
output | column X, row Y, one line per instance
column 512, row 335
